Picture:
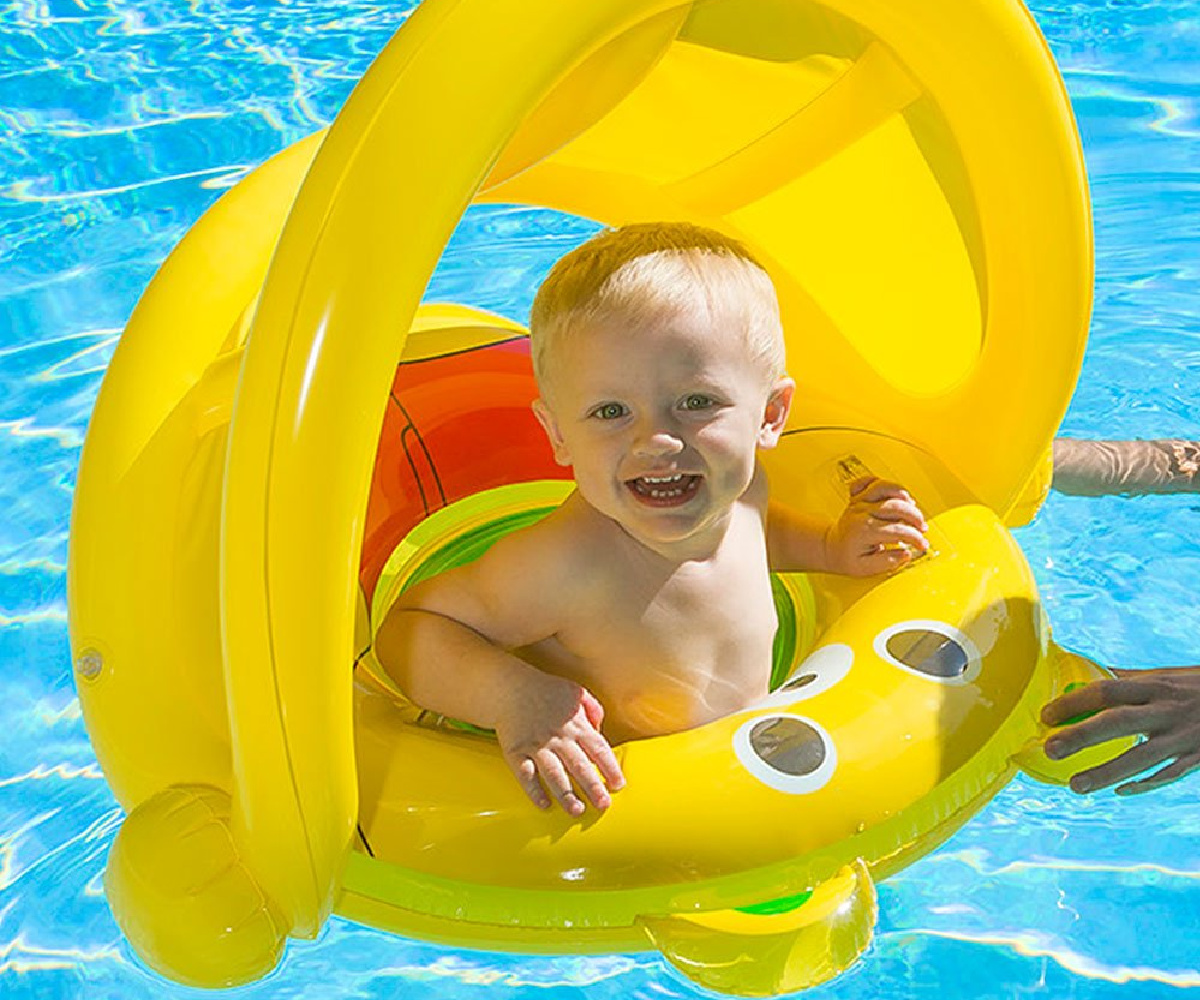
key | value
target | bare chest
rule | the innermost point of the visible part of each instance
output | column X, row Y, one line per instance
column 668, row 652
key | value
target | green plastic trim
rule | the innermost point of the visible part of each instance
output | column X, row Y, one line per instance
column 474, row 542
column 784, row 904
column 783, row 650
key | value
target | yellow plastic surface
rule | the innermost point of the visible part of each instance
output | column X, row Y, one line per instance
column 175, row 876
column 911, row 175
column 1072, row 670
column 766, row 955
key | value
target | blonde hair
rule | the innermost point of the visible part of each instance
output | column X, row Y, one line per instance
column 641, row 272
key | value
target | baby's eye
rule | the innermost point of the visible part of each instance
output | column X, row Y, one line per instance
column 697, row 401
column 609, row 411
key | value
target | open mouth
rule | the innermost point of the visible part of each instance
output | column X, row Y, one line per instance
column 664, row 491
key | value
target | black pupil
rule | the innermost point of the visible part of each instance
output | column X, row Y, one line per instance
column 790, row 746
column 929, row 652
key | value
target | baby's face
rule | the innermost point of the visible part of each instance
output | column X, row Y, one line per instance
column 661, row 423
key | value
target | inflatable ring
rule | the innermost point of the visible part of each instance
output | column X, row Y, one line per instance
column 910, row 175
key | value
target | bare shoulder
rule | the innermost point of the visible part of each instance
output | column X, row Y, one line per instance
column 544, row 556
column 518, row 591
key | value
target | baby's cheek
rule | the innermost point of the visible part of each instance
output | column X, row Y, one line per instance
column 735, row 452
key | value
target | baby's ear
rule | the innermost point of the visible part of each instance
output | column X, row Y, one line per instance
column 779, row 405
column 545, row 417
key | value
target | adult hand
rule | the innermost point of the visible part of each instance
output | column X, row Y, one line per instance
column 1162, row 705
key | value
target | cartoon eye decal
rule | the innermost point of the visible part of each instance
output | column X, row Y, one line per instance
column 786, row 752
column 930, row 649
column 821, row 670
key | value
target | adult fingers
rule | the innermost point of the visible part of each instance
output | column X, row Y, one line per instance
column 1095, row 697
column 1182, row 767
column 1131, row 762
column 558, row 781
column 1124, row 720
column 526, row 773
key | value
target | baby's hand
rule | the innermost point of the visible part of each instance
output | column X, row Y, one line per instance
column 549, row 733
column 881, row 529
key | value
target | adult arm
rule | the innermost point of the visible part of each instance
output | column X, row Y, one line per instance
column 1099, row 468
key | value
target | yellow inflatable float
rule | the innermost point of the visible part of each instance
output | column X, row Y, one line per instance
column 910, row 174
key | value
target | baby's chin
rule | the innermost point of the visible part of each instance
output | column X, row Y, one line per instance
column 676, row 525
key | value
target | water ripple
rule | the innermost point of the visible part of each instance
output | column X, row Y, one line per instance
column 19, row 956
column 1034, row 944
column 976, row 860
column 66, row 772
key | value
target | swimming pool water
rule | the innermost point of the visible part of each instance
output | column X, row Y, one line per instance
column 121, row 120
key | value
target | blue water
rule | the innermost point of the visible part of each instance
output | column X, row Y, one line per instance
column 121, row 120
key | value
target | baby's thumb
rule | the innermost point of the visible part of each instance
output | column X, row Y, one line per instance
column 860, row 485
column 592, row 708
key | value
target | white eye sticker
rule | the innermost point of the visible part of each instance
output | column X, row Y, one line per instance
column 822, row 669
column 931, row 650
column 786, row 752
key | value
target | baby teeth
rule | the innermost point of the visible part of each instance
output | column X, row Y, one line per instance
column 646, row 485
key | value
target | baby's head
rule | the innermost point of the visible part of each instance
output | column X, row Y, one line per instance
column 641, row 273
column 659, row 358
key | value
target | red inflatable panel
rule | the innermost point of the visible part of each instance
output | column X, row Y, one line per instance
column 455, row 425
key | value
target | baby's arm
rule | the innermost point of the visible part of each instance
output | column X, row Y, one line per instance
column 445, row 642
column 1163, row 705
column 879, row 530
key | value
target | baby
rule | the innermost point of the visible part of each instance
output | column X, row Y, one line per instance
column 643, row 604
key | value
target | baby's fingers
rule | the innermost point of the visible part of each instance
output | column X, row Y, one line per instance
column 584, row 772
column 602, row 756
column 900, row 511
column 526, row 773
column 558, row 781
column 591, row 708
column 879, row 490
column 904, row 534
column 860, row 486
column 881, row 561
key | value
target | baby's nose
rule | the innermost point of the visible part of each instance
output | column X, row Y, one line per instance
column 658, row 441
